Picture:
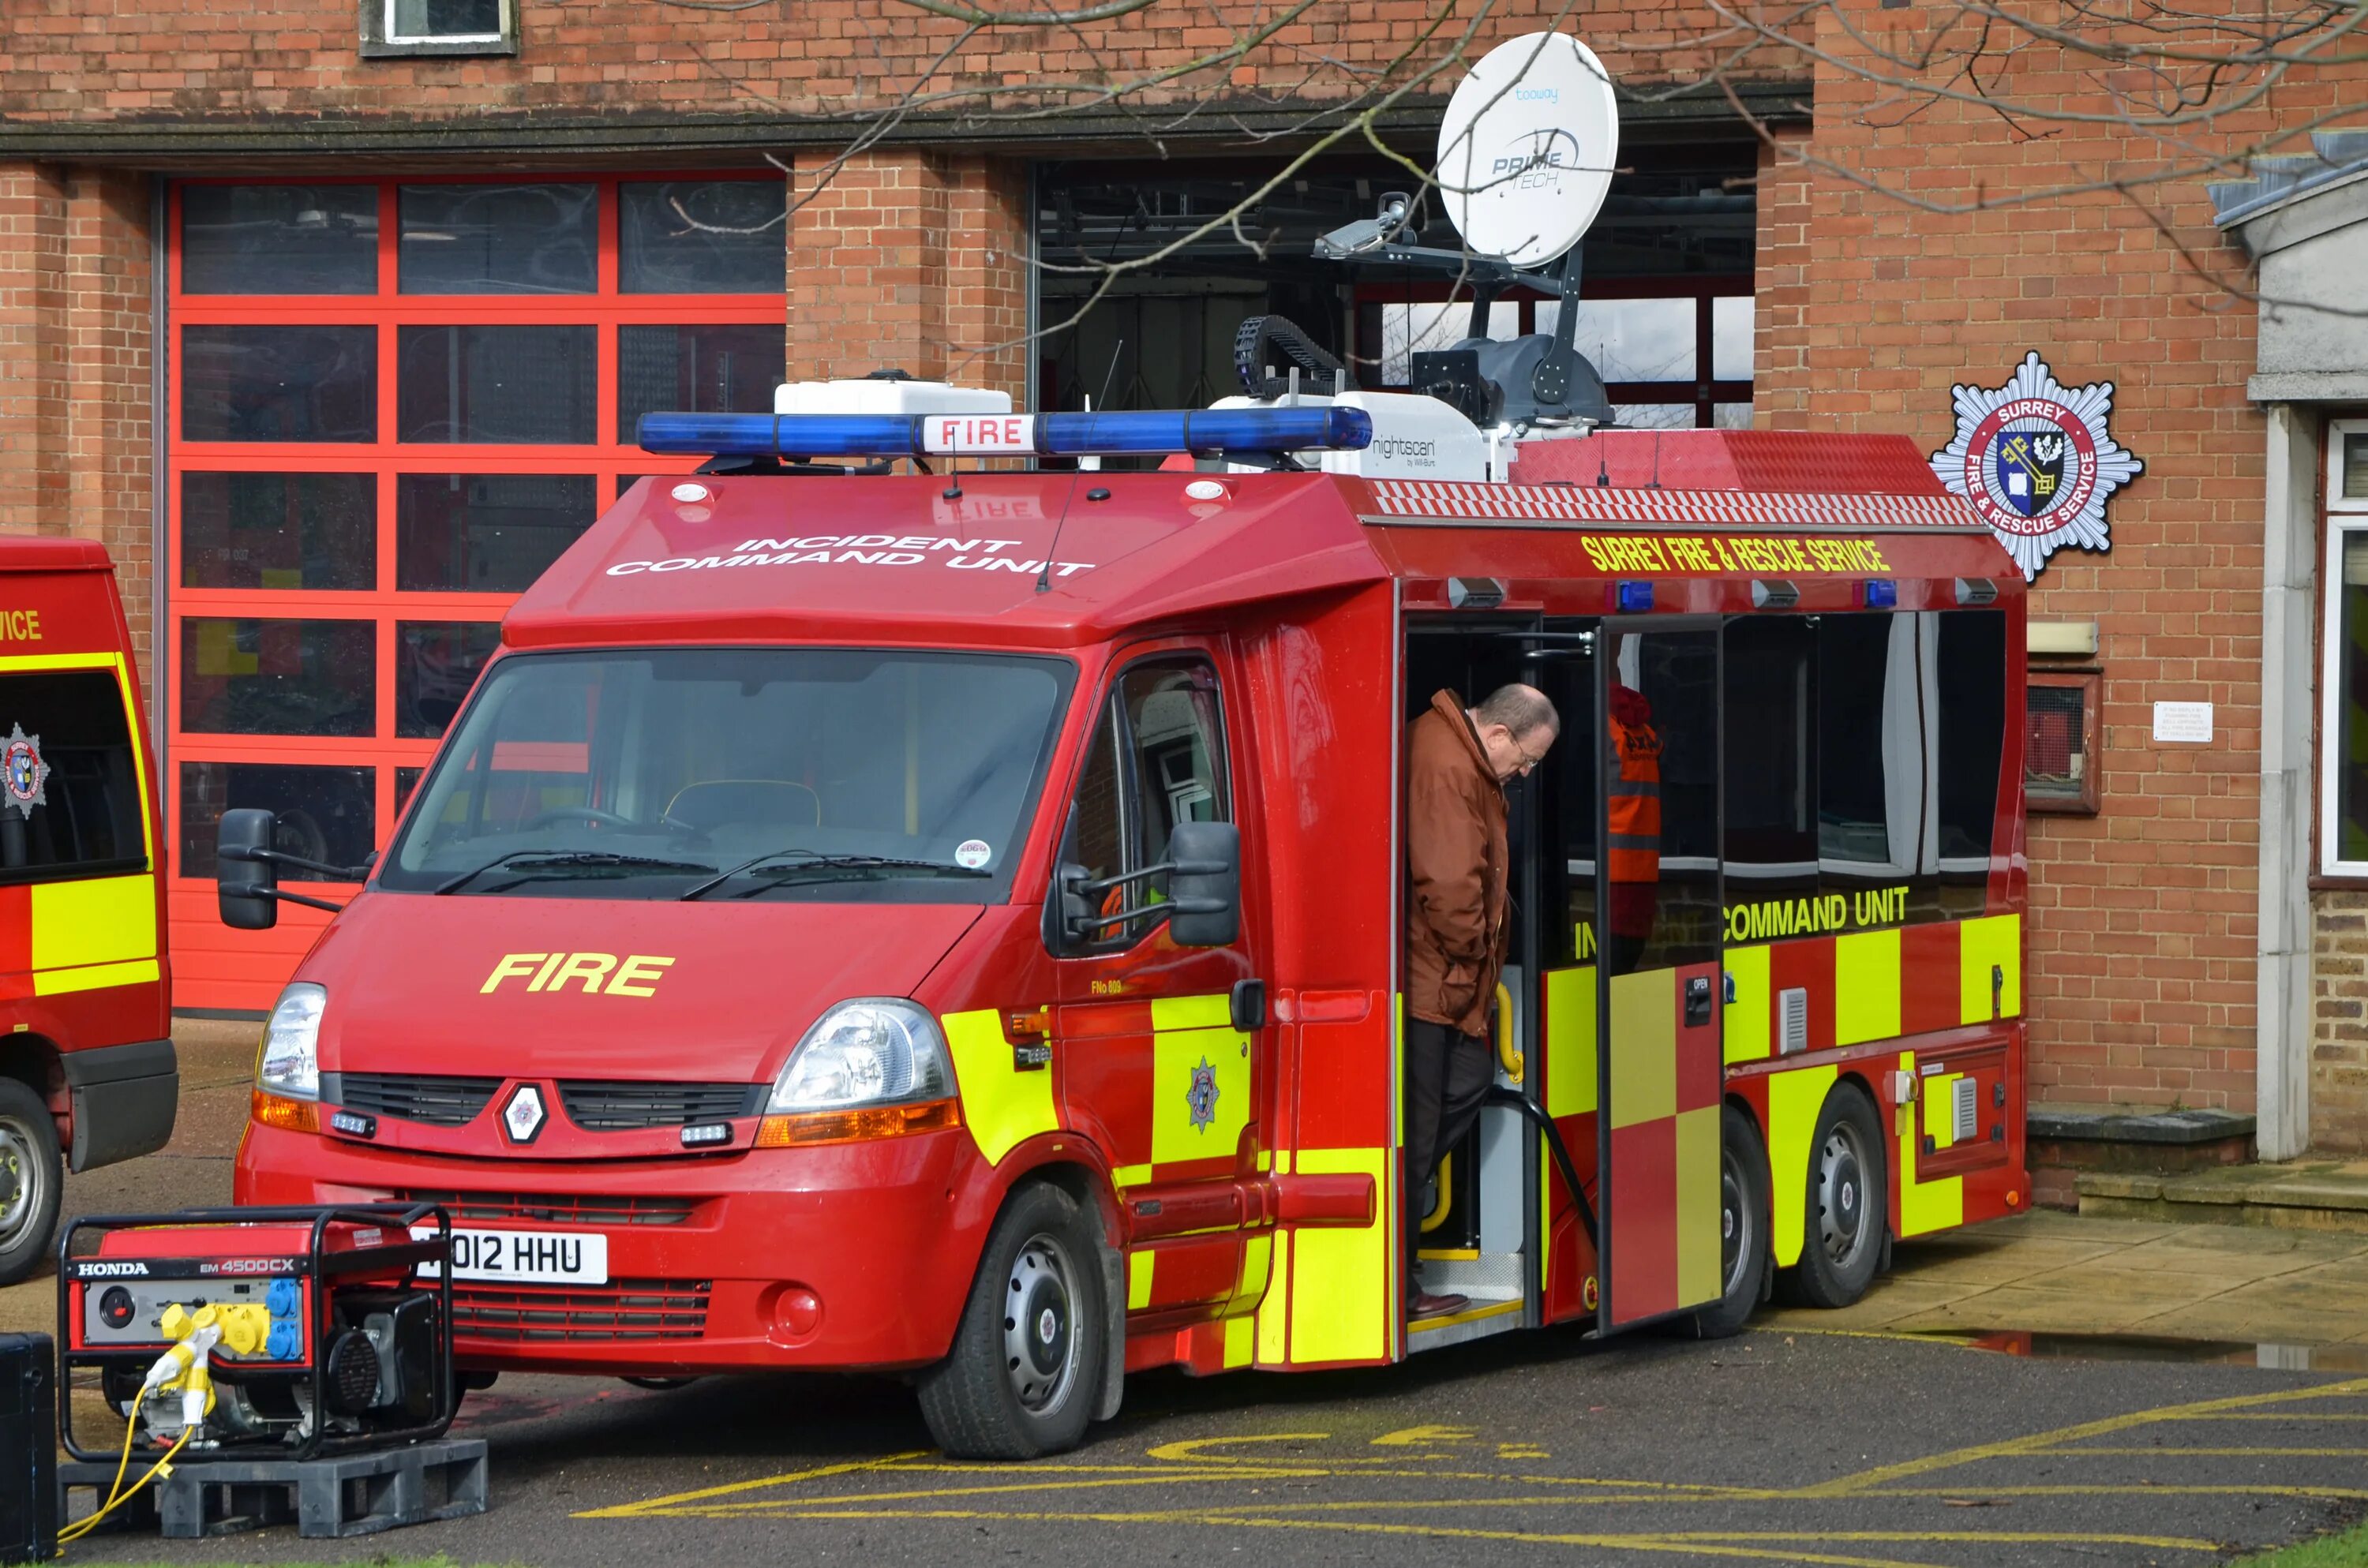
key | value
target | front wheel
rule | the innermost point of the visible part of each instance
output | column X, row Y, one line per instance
column 1848, row 1201
column 1743, row 1227
column 32, row 1180
column 1028, row 1359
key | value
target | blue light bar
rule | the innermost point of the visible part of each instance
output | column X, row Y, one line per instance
column 1634, row 597
column 1148, row 432
column 1881, row 593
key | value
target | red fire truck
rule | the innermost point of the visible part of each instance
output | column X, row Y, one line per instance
column 951, row 922
column 87, row 1074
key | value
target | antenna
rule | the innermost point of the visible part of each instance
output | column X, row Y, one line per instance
column 1527, row 149
column 1052, row 547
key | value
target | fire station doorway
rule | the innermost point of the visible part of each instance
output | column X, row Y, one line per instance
column 1591, row 1187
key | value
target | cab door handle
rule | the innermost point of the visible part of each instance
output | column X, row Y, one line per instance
column 1697, row 1000
column 1246, row 1006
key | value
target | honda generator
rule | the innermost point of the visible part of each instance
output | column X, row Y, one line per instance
column 256, row 1333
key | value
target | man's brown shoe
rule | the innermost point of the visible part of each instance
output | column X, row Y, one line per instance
column 1426, row 1305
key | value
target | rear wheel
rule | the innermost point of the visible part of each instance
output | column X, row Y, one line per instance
column 1743, row 1226
column 32, row 1180
column 1848, row 1199
column 1028, row 1359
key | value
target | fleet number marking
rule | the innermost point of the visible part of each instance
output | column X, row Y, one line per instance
column 600, row 975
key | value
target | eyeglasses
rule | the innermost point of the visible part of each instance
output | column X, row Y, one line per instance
column 1528, row 762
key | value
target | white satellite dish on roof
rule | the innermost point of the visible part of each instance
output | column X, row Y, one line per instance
column 1526, row 152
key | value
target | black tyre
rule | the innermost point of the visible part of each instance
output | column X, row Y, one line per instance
column 1845, row 1216
column 1028, row 1361
column 1743, row 1227
column 32, row 1180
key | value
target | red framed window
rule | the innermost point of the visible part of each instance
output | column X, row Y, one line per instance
column 1674, row 352
column 392, row 405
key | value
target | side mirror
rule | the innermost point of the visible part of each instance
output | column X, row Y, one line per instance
column 246, row 884
column 1205, row 884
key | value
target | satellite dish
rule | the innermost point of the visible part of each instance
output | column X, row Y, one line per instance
column 1526, row 152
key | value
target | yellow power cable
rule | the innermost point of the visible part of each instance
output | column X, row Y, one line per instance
column 74, row 1532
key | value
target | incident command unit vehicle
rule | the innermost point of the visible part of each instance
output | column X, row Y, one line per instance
column 87, row 1072
column 951, row 922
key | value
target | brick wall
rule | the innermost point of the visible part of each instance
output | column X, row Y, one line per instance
column 76, row 454
column 2339, row 1034
column 913, row 260
column 104, row 59
column 2142, row 932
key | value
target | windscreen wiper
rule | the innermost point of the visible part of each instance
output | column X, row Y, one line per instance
column 538, row 860
column 812, row 860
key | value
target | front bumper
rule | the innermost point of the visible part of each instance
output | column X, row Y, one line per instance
column 847, row 1256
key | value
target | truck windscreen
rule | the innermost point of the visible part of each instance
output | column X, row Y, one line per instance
column 822, row 774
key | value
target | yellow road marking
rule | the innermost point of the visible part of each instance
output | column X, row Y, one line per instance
column 2007, row 1447
column 2102, row 1489
column 2205, row 1453
column 627, row 1510
column 1408, row 1436
column 1954, row 1341
column 1190, row 1448
column 1739, row 1544
column 2278, row 1416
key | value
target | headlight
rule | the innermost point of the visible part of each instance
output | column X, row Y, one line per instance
column 291, row 1058
column 868, row 1053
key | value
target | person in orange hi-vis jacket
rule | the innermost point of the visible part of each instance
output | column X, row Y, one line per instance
column 1632, row 845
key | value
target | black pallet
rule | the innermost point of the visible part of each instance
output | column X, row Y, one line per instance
column 348, row 1494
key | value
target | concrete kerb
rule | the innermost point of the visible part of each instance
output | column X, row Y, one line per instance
column 2323, row 1195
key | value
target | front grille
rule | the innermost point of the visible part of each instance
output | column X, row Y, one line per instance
column 623, row 1309
column 555, row 1208
column 622, row 1105
column 413, row 1096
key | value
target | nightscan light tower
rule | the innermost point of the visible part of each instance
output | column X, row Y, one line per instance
column 1525, row 158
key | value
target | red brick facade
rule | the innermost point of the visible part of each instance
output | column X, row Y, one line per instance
column 75, row 365
column 913, row 254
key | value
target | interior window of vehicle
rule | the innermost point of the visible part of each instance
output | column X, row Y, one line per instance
column 1871, row 782
column 1157, row 758
column 67, row 746
column 1771, row 771
column 1972, row 682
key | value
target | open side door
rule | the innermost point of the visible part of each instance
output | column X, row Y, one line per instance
column 1658, row 932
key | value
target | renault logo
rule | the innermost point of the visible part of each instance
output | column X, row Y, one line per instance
column 524, row 1115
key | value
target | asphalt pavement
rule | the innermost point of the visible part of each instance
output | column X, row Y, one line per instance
column 2072, row 1392
column 1778, row 1447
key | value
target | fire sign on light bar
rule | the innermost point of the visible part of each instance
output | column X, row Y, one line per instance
column 1145, row 432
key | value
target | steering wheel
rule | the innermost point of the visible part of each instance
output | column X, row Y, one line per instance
column 577, row 813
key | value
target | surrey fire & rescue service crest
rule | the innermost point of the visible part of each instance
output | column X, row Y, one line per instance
column 22, row 772
column 2034, row 459
column 1200, row 1099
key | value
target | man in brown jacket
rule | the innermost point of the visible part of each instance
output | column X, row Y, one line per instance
column 1458, row 761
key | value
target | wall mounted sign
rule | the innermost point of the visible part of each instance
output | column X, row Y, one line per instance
column 2034, row 458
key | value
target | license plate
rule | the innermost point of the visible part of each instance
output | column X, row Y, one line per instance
column 534, row 1258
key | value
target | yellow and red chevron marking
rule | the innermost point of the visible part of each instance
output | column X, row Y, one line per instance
column 1661, row 1197
column 1873, row 985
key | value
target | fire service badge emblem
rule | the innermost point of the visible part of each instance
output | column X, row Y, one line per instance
column 2034, row 458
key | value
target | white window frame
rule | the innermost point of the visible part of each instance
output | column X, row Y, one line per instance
column 2344, row 518
column 378, row 37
